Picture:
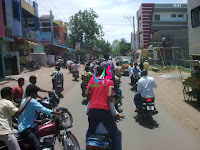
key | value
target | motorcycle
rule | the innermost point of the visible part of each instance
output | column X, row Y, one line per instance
column 58, row 88
column 148, row 108
column 135, row 79
column 76, row 75
column 52, row 103
column 49, row 131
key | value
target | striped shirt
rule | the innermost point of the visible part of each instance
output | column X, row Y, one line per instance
column 58, row 76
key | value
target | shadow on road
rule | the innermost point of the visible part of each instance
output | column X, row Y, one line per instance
column 75, row 80
column 143, row 122
column 194, row 104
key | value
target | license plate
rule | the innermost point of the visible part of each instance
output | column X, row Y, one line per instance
column 59, row 84
column 150, row 107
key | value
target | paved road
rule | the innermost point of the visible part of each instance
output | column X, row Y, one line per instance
column 164, row 134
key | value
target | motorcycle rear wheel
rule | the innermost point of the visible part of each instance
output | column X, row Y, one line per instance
column 70, row 142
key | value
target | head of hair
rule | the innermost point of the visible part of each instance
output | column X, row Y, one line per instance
column 20, row 80
column 87, row 68
column 106, row 56
column 76, row 62
column 31, row 89
column 58, row 68
column 117, row 64
column 6, row 91
column 135, row 64
column 32, row 78
column 99, row 70
column 144, row 73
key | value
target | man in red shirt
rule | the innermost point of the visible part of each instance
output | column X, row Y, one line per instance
column 18, row 91
column 99, row 110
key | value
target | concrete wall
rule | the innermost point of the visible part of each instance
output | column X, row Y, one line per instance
column 39, row 58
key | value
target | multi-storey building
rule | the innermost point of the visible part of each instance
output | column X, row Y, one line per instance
column 168, row 23
column 154, row 17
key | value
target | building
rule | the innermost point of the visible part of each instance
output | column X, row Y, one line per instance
column 154, row 17
column 194, row 28
column 162, row 32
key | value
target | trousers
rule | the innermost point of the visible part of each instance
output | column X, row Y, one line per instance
column 11, row 141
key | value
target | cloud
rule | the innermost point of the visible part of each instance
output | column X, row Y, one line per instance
column 111, row 13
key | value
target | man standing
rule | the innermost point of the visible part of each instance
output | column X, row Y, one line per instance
column 99, row 110
column 145, row 87
column 146, row 65
column 118, row 70
column 18, row 91
column 7, row 110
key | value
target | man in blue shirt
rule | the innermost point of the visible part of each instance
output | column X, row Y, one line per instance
column 26, row 119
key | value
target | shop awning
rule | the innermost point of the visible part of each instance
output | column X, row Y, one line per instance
column 192, row 62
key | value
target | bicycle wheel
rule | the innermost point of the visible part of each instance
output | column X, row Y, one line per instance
column 70, row 142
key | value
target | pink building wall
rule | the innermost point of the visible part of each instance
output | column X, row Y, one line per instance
column 2, row 29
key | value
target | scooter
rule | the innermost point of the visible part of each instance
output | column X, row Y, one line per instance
column 49, row 131
column 76, row 75
column 100, row 140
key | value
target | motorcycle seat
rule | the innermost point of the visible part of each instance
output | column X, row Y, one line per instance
column 101, row 129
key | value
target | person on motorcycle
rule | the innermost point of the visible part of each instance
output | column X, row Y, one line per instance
column 7, row 110
column 86, row 76
column 136, row 74
column 118, row 70
column 99, row 110
column 33, row 80
column 18, row 91
column 75, row 67
column 26, row 119
column 145, row 87
column 57, row 77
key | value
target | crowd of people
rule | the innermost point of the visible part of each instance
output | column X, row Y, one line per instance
column 99, row 93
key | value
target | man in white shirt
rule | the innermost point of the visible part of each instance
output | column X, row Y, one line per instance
column 130, row 69
column 145, row 87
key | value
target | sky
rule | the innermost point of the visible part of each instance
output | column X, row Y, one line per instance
column 116, row 16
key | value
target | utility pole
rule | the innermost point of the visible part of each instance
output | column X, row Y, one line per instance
column 134, row 36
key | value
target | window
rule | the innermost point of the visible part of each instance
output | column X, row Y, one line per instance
column 195, row 16
column 16, row 11
column 180, row 15
column 157, row 17
column 173, row 15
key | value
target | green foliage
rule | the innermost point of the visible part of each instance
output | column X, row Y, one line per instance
column 115, row 47
column 104, row 45
column 120, row 47
column 124, row 46
column 83, row 28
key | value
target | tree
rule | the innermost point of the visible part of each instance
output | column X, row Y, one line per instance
column 115, row 47
column 104, row 45
column 124, row 46
column 83, row 28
